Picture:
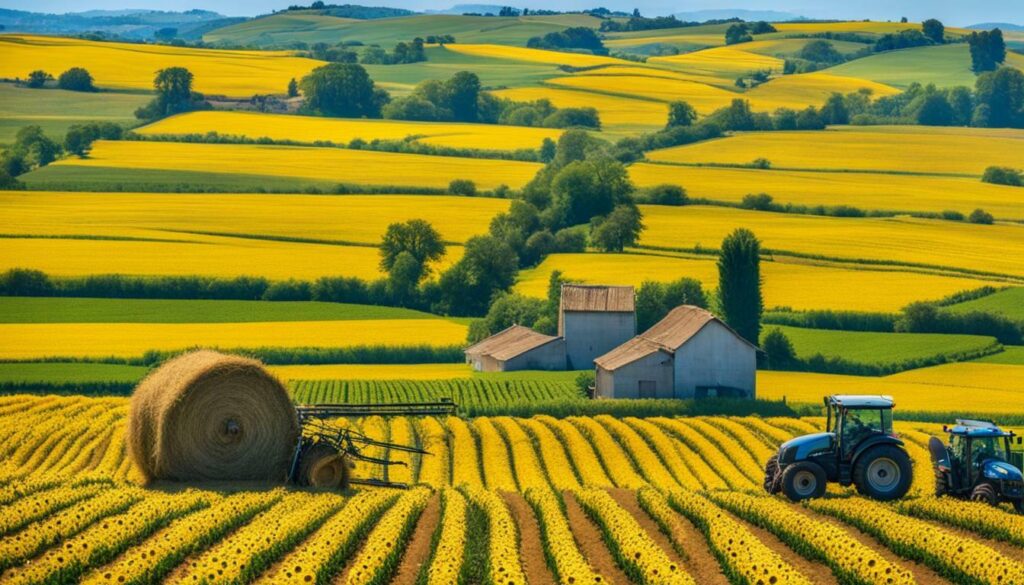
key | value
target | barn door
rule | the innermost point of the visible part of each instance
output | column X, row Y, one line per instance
column 648, row 389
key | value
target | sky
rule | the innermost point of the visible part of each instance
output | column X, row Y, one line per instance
column 951, row 12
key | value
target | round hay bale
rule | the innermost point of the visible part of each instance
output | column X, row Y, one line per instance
column 323, row 467
column 210, row 416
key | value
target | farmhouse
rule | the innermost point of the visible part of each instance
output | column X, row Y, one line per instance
column 593, row 320
column 517, row 348
column 688, row 354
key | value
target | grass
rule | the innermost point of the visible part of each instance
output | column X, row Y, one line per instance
column 90, row 310
column 24, row 341
column 868, row 191
column 311, row 28
column 133, row 66
column 361, row 219
column 441, row 64
column 945, row 66
column 55, row 109
column 1008, row 303
column 1011, row 355
column 293, row 163
column 956, row 245
column 917, row 149
column 800, row 286
column 879, row 348
column 342, row 131
column 923, row 396
column 69, row 373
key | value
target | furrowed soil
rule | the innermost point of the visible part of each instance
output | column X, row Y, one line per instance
column 417, row 551
column 531, row 546
column 817, row 572
column 588, row 537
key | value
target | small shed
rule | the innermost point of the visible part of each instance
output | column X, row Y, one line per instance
column 688, row 354
column 593, row 320
column 517, row 348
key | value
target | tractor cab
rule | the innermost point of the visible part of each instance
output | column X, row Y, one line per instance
column 858, row 447
column 978, row 463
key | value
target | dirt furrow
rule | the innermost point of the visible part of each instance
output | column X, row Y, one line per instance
column 531, row 546
column 417, row 551
column 819, row 573
column 591, row 543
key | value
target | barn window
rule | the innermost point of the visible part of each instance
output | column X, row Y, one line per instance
column 648, row 388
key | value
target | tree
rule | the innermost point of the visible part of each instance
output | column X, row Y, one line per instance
column 547, row 150
column 962, row 103
column 1003, row 176
column 665, row 194
column 1001, row 94
column 778, row 350
column 739, row 283
column 461, row 95
column 415, row 237
column 821, row 51
column 166, row 34
column 173, row 87
column 508, row 309
column 463, row 187
column 37, row 79
column 934, row 30
column 343, row 90
column 980, row 216
column 654, row 300
column 809, row 119
column 293, row 88
column 988, row 50
column 76, row 79
column 680, row 113
column 737, row 33
column 488, row 266
column 588, row 188
column 619, row 229
column 834, row 111
column 935, row 111
column 404, row 276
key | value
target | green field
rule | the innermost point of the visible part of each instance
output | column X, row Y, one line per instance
column 442, row 64
column 56, row 109
column 882, row 349
column 87, row 310
column 69, row 373
column 67, row 178
column 1011, row 355
column 945, row 66
column 310, row 27
column 1008, row 303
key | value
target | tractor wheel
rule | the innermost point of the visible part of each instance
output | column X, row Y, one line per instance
column 771, row 475
column 985, row 492
column 802, row 480
column 941, row 484
column 883, row 473
column 322, row 466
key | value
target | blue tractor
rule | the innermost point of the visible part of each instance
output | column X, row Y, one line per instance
column 858, row 447
column 978, row 463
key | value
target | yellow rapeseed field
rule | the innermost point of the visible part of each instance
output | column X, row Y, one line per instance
column 324, row 164
column 341, row 131
column 800, row 286
column 133, row 66
column 987, row 389
column 374, row 372
column 705, row 98
column 994, row 248
column 36, row 340
column 725, row 63
column 618, row 114
column 203, row 256
column 345, row 218
column 510, row 53
column 868, row 191
column 798, row 91
column 887, row 148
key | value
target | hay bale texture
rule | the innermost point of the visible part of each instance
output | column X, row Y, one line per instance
column 210, row 416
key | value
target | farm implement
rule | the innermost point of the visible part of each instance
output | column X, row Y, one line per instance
column 978, row 463
column 858, row 447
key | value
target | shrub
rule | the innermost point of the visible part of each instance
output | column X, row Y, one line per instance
column 1003, row 176
column 758, row 202
column 665, row 194
column 37, row 79
column 980, row 216
column 462, row 187
column 76, row 79
column 761, row 163
column 778, row 350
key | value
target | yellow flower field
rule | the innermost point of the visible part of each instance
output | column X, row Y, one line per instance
column 618, row 114
column 799, row 286
column 868, row 191
column 34, row 340
column 133, row 66
column 204, row 256
column 343, row 218
column 725, row 63
column 324, row 164
column 510, row 53
column 703, row 97
column 809, row 89
column 341, row 131
column 886, row 148
column 984, row 393
column 993, row 248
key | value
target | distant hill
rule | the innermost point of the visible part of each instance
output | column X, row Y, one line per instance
column 137, row 24
column 468, row 9
column 748, row 15
column 1000, row 25
column 357, row 11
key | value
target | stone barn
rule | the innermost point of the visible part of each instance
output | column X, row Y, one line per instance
column 517, row 348
column 688, row 354
column 593, row 320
